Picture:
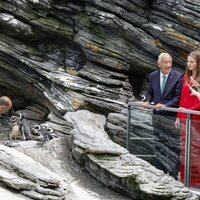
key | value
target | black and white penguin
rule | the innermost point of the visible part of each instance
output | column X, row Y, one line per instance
column 25, row 127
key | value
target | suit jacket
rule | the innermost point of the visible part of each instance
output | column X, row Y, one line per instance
column 172, row 91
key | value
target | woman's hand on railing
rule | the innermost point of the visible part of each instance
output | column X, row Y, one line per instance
column 181, row 108
column 177, row 123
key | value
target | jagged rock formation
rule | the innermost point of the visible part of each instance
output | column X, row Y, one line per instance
column 114, row 166
column 23, row 174
column 41, row 42
column 63, row 56
column 55, row 156
column 91, row 147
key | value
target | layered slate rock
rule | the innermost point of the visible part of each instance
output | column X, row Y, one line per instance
column 63, row 56
column 28, row 177
column 114, row 166
column 163, row 148
column 90, row 55
column 46, row 42
column 80, row 184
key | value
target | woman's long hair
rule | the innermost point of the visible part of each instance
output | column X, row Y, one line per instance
column 196, row 56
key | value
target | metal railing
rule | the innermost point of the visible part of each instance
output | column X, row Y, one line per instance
column 188, row 141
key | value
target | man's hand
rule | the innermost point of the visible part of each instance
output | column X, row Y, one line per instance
column 159, row 106
column 145, row 104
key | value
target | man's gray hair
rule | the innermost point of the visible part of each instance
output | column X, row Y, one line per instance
column 163, row 55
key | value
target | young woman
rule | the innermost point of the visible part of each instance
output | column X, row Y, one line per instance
column 191, row 101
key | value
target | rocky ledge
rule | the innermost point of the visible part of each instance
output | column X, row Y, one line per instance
column 21, row 173
column 91, row 147
column 114, row 166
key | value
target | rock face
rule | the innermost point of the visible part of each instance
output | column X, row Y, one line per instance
column 117, row 168
column 62, row 56
column 109, row 163
column 113, row 45
column 55, row 156
column 23, row 174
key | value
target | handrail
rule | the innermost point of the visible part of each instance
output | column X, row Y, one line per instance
column 165, row 108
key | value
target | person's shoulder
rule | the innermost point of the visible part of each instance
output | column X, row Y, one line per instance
column 177, row 73
column 154, row 72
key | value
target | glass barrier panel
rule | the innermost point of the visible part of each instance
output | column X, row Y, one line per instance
column 155, row 139
column 141, row 134
column 167, row 143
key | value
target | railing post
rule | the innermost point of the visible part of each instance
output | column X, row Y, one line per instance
column 188, row 143
column 128, row 127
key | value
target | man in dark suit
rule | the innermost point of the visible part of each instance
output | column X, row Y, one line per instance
column 165, row 90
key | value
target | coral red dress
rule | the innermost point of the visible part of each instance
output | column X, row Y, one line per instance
column 192, row 103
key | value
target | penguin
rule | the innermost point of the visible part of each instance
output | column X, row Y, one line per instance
column 45, row 132
column 15, row 131
column 14, row 119
column 25, row 127
column 143, row 98
column 35, row 129
column 14, row 128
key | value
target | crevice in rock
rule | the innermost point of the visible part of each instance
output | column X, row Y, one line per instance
column 139, row 84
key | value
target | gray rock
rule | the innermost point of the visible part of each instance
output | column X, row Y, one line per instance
column 62, row 56
column 94, row 139
column 123, row 172
column 32, row 179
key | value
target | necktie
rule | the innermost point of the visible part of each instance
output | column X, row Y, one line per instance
column 162, row 86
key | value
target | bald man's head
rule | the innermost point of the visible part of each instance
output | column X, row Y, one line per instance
column 5, row 104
